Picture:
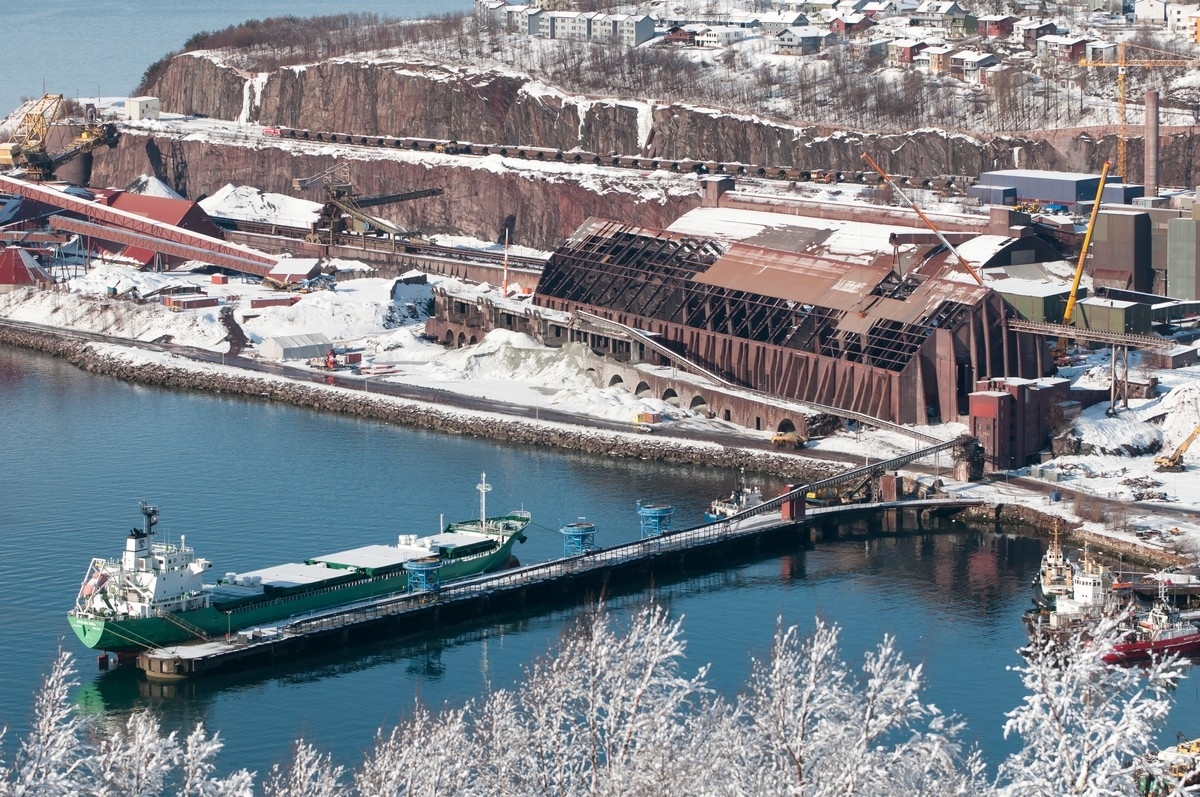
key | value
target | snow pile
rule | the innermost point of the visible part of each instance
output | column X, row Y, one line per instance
column 1182, row 407
column 1123, row 434
column 355, row 309
column 250, row 204
column 149, row 185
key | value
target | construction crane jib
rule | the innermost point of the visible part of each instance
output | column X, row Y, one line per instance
column 961, row 260
column 1122, row 64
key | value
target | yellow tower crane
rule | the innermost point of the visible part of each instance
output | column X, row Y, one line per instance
column 1122, row 64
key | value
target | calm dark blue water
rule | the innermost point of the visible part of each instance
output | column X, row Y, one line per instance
column 253, row 484
column 82, row 48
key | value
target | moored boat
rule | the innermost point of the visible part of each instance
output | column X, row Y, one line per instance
column 741, row 499
column 154, row 594
column 1161, row 631
column 1055, row 578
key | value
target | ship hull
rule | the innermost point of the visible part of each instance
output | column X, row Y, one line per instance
column 132, row 635
column 1186, row 645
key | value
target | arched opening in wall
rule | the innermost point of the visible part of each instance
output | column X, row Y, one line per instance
column 699, row 405
column 462, row 339
column 474, row 340
column 594, row 376
column 642, row 390
column 449, row 337
column 616, row 380
column 671, row 397
column 786, row 426
column 727, row 415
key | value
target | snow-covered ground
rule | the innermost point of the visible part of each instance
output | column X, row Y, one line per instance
column 384, row 319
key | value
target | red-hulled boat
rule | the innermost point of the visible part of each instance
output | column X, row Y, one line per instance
column 1159, row 632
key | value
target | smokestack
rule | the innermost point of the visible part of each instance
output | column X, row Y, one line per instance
column 1151, row 148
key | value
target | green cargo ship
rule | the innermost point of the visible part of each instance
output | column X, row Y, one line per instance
column 154, row 595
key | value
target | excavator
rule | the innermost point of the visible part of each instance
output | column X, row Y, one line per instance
column 26, row 153
column 1173, row 462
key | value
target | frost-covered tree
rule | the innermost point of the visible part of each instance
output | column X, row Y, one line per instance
column 65, row 754
column 613, row 712
column 810, row 726
column 1084, row 724
column 51, row 757
column 311, row 774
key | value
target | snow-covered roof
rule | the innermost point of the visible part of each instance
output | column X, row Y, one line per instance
column 1027, row 287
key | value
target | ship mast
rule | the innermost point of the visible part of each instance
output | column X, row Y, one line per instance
column 483, row 488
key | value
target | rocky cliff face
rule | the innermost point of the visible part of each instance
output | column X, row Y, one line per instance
column 541, row 205
column 445, row 102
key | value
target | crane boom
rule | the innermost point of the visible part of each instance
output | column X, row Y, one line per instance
column 961, row 260
column 1087, row 240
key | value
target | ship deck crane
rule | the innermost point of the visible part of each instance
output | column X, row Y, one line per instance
column 1173, row 462
column 961, row 260
column 1122, row 64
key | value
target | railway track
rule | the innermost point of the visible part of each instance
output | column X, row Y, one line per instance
column 612, row 159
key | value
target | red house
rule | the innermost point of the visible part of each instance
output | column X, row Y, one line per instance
column 996, row 26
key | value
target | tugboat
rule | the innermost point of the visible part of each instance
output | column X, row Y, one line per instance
column 1162, row 631
column 154, row 595
column 741, row 499
column 1055, row 578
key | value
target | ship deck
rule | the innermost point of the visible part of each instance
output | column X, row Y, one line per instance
column 470, row 598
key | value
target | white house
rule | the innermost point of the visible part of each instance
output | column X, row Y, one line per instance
column 1152, row 11
column 1179, row 17
column 720, row 36
column 140, row 108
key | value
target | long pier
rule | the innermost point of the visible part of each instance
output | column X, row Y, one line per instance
column 570, row 577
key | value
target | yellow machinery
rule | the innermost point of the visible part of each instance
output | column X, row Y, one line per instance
column 961, row 260
column 27, row 150
column 1069, row 311
column 1173, row 462
column 1122, row 64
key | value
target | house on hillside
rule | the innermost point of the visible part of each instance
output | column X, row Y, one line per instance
column 720, row 36
column 901, row 52
column 682, row 34
column 934, row 60
column 850, row 26
column 881, row 9
column 771, row 24
column 1153, row 12
column 967, row 65
column 803, row 40
column 1067, row 49
column 945, row 14
column 1030, row 30
column 997, row 26
column 1180, row 17
column 1100, row 51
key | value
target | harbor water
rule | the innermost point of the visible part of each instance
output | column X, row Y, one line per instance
column 85, row 48
column 253, row 483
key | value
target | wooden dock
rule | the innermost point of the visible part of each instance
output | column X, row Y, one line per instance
column 571, row 578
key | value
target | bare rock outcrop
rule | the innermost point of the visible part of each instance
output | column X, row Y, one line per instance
column 540, row 208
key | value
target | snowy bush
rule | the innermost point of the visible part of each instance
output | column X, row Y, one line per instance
column 613, row 712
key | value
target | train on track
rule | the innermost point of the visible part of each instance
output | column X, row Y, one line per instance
column 612, row 159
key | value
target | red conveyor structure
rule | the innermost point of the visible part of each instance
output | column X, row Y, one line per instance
column 119, row 226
